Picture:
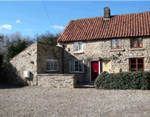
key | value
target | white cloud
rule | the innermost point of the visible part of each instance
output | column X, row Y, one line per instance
column 18, row 21
column 58, row 27
column 5, row 26
column 28, row 29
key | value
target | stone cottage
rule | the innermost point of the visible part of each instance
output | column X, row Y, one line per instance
column 112, row 43
column 87, row 47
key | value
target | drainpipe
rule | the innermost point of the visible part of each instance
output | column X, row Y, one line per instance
column 63, row 47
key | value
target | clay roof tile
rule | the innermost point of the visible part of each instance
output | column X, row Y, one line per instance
column 127, row 25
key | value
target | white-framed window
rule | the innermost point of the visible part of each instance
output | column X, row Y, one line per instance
column 51, row 65
column 78, row 47
column 76, row 66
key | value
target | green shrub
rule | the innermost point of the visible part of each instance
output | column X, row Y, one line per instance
column 123, row 80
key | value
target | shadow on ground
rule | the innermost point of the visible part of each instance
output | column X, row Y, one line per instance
column 7, row 86
column 9, row 78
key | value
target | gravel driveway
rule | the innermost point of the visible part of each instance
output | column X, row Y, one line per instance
column 47, row 102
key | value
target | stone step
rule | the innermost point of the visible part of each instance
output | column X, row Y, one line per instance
column 85, row 86
column 91, row 83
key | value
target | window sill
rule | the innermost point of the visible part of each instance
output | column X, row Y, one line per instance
column 78, row 52
column 113, row 50
column 135, row 49
column 76, row 72
column 51, row 70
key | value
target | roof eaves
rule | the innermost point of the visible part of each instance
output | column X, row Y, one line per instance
column 59, row 40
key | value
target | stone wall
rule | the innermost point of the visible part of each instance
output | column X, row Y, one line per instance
column 92, row 50
column 33, row 59
column 46, row 51
column 24, row 61
column 57, row 80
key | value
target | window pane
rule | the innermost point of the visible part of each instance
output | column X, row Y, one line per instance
column 76, row 65
column 133, row 43
column 80, row 65
column 80, row 45
column 140, row 60
column 51, row 65
column 47, row 65
column 133, row 66
column 139, row 42
column 71, row 64
column 76, row 46
column 113, row 42
column 140, row 66
column 55, row 65
column 133, row 60
column 70, row 69
column 118, row 43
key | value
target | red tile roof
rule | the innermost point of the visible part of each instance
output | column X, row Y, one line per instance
column 127, row 25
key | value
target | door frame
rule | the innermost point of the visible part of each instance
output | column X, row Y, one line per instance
column 90, row 67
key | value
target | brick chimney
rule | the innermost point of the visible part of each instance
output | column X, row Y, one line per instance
column 106, row 13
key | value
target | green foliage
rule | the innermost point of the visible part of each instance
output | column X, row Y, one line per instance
column 47, row 38
column 123, row 80
column 13, row 50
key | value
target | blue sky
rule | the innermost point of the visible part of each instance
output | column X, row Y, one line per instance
column 30, row 18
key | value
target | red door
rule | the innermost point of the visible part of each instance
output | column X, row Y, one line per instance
column 94, row 70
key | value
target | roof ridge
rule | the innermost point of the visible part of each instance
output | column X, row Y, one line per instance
column 134, row 13
column 111, row 15
column 85, row 18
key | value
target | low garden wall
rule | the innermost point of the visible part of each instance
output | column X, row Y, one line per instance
column 57, row 80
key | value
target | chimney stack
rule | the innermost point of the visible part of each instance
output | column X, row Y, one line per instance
column 106, row 13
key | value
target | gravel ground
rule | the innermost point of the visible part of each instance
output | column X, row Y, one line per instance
column 51, row 102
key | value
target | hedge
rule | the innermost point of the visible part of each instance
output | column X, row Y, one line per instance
column 123, row 80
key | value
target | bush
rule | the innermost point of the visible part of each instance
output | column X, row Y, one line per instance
column 123, row 80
